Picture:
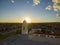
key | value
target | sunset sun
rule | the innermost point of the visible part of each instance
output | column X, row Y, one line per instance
column 27, row 20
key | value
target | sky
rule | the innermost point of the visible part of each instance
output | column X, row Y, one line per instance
column 36, row 10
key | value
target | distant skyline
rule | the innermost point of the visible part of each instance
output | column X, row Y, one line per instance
column 36, row 10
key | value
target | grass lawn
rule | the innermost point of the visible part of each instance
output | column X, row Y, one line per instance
column 9, row 34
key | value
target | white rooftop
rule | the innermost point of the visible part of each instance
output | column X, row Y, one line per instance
column 23, row 40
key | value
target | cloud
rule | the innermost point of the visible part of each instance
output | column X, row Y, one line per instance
column 28, row 2
column 35, row 2
column 58, row 15
column 56, row 5
column 56, row 1
column 12, row 1
column 49, row 7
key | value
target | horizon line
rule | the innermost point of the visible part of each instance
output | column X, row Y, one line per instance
column 30, row 22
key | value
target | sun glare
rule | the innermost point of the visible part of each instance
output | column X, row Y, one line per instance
column 27, row 20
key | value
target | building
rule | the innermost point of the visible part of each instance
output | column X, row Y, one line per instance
column 24, row 27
